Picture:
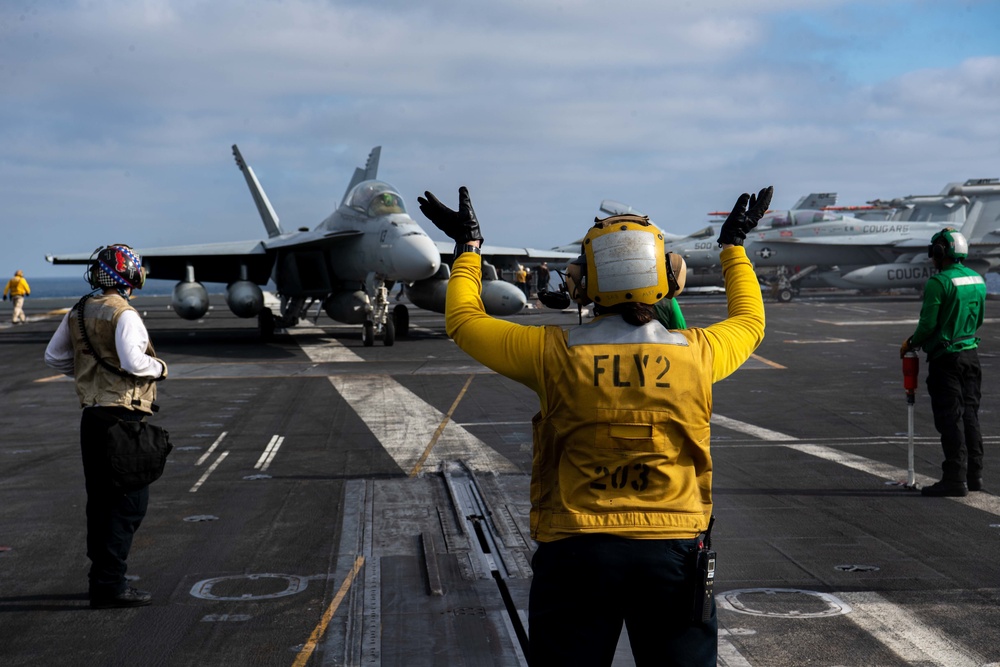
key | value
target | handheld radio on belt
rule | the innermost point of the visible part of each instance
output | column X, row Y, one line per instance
column 705, row 581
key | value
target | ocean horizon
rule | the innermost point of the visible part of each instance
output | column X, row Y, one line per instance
column 60, row 287
column 52, row 288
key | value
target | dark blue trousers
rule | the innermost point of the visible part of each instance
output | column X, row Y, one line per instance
column 113, row 516
column 584, row 588
column 954, row 383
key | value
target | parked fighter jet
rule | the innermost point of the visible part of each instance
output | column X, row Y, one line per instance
column 348, row 263
column 880, row 254
column 701, row 249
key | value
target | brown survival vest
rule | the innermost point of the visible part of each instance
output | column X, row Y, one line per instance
column 96, row 385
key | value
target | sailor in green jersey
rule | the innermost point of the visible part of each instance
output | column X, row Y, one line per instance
column 951, row 314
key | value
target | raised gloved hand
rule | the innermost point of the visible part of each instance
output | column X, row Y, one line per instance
column 747, row 212
column 461, row 226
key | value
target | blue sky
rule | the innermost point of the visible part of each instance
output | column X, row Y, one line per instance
column 117, row 117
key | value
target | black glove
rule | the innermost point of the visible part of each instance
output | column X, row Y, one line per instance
column 461, row 226
column 746, row 214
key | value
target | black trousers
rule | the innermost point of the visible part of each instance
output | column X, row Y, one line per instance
column 953, row 382
column 113, row 516
column 585, row 587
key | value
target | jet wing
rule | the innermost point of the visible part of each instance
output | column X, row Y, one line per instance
column 873, row 240
column 212, row 262
column 496, row 252
column 221, row 262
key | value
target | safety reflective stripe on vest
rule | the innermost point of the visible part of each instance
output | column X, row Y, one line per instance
column 967, row 280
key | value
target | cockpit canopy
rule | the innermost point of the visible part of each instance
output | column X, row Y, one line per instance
column 375, row 198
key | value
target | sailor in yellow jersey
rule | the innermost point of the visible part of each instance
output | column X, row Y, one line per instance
column 621, row 482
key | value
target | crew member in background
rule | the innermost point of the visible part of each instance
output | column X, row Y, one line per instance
column 542, row 275
column 117, row 335
column 17, row 288
column 952, row 312
column 621, row 483
column 520, row 277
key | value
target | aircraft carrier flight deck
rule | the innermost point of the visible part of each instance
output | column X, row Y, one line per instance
column 329, row 503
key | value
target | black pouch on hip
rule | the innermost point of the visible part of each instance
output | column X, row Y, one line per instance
column 137, row 453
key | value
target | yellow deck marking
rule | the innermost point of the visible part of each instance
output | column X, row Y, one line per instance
column 440, row 428
column 53, row 378
column 303, row 657
column 772, row 364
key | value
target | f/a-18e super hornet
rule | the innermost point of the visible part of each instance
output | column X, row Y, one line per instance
column 348, row 264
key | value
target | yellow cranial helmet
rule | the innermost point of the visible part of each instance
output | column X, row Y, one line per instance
column 626, row 262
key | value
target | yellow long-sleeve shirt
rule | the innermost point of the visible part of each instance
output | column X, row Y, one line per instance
column 622, row 436
column 17, row 286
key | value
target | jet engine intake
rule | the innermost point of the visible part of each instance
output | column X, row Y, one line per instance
column 244, row 298
column 189, row 300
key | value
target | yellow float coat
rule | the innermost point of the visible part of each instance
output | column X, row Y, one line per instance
column 621, row 441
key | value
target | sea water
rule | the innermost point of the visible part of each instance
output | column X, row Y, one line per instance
column 69, row 287
column 43, row 288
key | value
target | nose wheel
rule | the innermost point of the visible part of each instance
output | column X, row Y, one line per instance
column 401, row 318
column 368, row 334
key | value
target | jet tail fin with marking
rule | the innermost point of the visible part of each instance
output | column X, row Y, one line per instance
column 816, row 201
column 267, row 214
column 983, row 217
column 369, row 173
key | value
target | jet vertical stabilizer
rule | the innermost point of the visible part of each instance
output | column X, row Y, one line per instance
column 983, row 217
column 264, row 207
column 816, row 201
column 369, row 173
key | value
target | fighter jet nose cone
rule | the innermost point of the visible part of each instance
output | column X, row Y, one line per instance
column 415, row 257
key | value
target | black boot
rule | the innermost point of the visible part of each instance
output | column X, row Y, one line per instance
column 130, row 597
column 946, row 489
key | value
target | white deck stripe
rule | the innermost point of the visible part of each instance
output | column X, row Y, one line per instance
column 210, row 449
column 404, row 425
column 274, row 452
column 728, row 655
column 749, row 429
column 905, row 634
column 981, row 501
column 329, row 350
column 879, row 323
column 208, row 472
column 267, row 450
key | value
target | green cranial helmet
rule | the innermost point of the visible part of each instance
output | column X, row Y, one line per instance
column 949, row 243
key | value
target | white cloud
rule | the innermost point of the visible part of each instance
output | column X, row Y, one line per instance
column 121, row 111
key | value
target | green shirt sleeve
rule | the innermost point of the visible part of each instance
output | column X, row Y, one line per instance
column 933, row 297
